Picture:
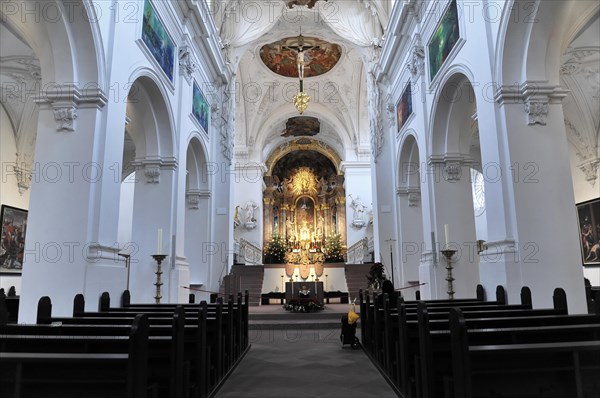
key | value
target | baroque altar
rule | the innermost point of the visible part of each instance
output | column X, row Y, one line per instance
column 304, row 200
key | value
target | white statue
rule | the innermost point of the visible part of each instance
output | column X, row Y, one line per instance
column 358, row 220
column 236, row 217
column 250, row 208
column 359, row 207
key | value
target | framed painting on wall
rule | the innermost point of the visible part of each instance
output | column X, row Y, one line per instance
column 588, row 214
column 158, row 41
column 404, row 107
column 200, row 108
column 12, row 239
column 443, row 40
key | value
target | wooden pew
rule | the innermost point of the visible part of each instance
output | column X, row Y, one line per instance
column 201, row 361
column 240, row 317
column 401, row 343
column 384, row 320
column 550, row 362
column 229, row 348
column 63, row 370
column 225, row 348
column 434, row 345
column 382, row 345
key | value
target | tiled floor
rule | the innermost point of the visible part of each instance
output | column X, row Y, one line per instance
column 304, row 363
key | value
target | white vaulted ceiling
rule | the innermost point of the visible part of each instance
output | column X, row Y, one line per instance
column 580, row 74
column 20, row 77
column 338, row 97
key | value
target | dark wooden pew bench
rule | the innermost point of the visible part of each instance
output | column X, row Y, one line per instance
column 550, row 362
column 55, row 371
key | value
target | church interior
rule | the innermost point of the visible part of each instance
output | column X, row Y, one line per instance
column 246, row 160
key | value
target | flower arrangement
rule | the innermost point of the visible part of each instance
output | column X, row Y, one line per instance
column 304, row 305
column 376, row 276
column 333, row 250
column 275, row 250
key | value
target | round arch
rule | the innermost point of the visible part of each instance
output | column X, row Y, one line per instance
column 150, row 114
column 303, row 144
column 408, row 154
column 285, row 112
column 196, row 160
column 538, row 41
column 451, row 136
column 67, row 41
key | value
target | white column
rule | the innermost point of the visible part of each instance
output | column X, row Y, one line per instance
column 61, row 255
column 543, row 225
column 357, row 181
column 249, row 187
column 411, row 235
column 152, row 211
column 453, row 203
column 197, row 228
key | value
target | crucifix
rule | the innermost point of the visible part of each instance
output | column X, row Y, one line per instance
column 300, row 48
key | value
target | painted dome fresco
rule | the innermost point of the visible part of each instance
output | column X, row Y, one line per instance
column 281, row 56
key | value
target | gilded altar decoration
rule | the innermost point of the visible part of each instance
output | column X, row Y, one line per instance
column 305, row 206
column 304, row 182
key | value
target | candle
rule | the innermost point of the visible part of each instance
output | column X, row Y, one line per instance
column 159, row 242
column 433, row 248
column 447, row 234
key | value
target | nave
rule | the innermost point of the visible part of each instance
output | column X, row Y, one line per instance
column 302, row 362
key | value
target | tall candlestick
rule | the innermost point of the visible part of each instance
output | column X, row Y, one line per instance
column 159, row 242
column 447, row 234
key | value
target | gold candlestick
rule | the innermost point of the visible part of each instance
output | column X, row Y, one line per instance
column 448, row 253
column 159, row 259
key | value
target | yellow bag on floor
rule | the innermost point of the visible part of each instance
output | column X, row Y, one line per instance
column 352, row 315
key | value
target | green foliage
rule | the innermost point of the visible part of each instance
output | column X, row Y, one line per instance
column 376, row 276
column 333, row 249
column 275, row 250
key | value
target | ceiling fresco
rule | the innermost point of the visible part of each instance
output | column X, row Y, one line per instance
column 281, row 56
column 302, row 126
column 309, row 3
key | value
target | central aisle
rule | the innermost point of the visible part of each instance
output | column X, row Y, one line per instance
column 304, row 363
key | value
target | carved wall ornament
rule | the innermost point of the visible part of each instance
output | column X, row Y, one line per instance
column 590, row 169
column 152, row 173
column 187, row 66
column 65, row 118
column 416, row 66
column 227, row 133
column 452, row 170
column 414, row 199
column 391, row 114
column 193, row 200
column 537, row 111
column 375, row 105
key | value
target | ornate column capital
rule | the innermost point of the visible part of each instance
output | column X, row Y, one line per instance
column 413, row 194
column 65, row 117
column 590, row 169
column 451, row 165
column 152, row 166
column 535, row 96
column 65, row 101
column 193, row 198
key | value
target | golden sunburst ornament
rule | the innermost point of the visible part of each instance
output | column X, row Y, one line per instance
column 304, row 182
column 301, row 101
